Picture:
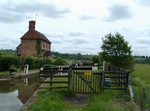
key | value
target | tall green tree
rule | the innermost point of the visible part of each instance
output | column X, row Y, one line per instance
column 116, row 51
column 96, row 59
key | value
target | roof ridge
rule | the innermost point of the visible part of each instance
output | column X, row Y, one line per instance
column 41, row 36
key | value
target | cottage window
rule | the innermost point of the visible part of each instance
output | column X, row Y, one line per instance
column 43, row 45
column 47, row 47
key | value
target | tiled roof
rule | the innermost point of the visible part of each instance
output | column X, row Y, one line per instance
column 41, row 36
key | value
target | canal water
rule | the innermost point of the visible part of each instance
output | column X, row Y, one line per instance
column 13, row 94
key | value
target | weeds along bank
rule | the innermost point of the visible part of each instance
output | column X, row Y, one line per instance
column 107, row 101
column 140, row 80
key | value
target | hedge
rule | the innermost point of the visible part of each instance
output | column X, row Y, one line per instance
column 8, row 60
column 35, row 62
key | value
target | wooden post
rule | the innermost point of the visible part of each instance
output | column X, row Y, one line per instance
column 127, row 80
column 70, row 80
column 102, row 77
column 130, row 88
column 51, row 79
column 142, row 99
column 103, row 65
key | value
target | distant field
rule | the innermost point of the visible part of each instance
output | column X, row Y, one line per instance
column 141, row 79
column 142, row 72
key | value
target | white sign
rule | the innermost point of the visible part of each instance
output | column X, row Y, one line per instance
column 94, row 68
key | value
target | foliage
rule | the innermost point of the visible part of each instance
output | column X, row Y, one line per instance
column 30, row 61
column 48, row 101
column 8, row 60
column 12, row 68
column 140, row 79
column 35, row 62
column 59, row 61
column 41, row 61
column 116, row 51
column 96, row 59
column 142, row 60
column 7, row 51
column 77, row 56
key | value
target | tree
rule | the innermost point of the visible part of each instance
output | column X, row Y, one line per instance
column 96, row 59
column 59, row 61
column 116, row 51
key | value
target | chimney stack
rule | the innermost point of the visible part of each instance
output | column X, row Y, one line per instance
column 31, row 25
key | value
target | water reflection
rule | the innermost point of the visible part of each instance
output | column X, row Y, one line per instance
column 13, row 94
column 10, row 102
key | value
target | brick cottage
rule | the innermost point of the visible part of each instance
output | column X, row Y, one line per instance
column 33, row 43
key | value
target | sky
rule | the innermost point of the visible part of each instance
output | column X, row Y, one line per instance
column 77, row 26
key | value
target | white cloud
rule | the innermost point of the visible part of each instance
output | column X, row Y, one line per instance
column 119, row 11
column 17, row 12
column 143, row 40
column 76, row 26
column 86, row 17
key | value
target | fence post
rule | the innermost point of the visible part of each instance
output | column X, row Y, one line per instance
column 70, row 80
column 102, row 77
column 130, row 88
column 51, row 79
column 142, row 99
column 103, row 65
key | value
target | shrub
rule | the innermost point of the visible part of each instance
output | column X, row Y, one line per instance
column 35, row 62
column 8, row 60
column 59, row 61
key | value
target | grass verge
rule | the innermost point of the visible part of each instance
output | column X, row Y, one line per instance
column 107, row 101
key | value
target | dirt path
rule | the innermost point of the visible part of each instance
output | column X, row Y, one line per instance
column 78, row 99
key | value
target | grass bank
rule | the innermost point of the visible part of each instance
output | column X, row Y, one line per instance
column 107, row 101
column 140, row 80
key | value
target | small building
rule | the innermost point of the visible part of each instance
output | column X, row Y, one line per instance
column 33, row 43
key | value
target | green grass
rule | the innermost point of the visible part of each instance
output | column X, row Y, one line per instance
column 140, row 79
column 109, row 100
column 4, row 73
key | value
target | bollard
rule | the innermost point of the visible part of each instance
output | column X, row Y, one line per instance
column 26, row 67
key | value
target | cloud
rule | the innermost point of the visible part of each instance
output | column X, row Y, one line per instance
column 77, row 33
column 3, row 39
column 55, row 40
column 145, row 30
column 55, row 34
column 143, row 2
column 118, row 11
column 85, row 17
column 145, row 40
column 126, row 28
column 13, row 12
column 77, row 40
column 77, row 49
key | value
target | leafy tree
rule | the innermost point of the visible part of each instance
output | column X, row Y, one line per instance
column 96, row 59
column 116, row 51
column 59, row 61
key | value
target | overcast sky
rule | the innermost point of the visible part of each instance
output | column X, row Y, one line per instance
column 77, row 26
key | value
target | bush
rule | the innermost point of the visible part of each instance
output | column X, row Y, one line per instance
column 8, row 60
column 34, row 62
column 30, row 61
column 59, row 61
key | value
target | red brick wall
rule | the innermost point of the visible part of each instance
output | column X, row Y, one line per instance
column 27, row 47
